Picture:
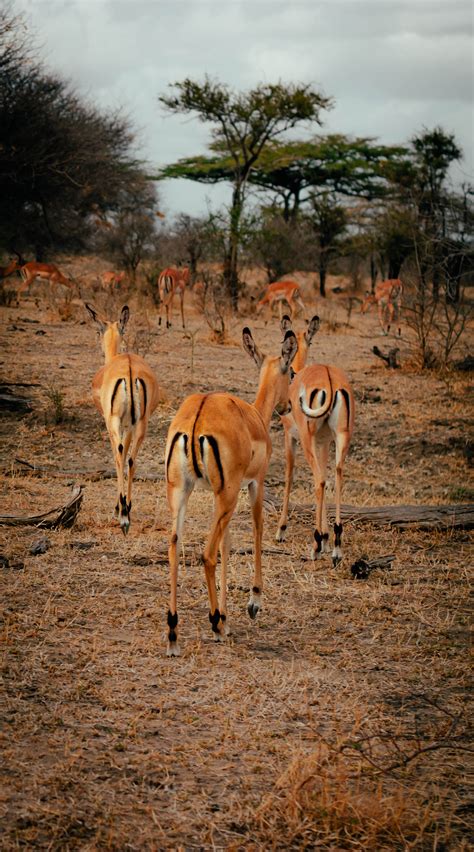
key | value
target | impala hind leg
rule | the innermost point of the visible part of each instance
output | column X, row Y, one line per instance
column 181, row 296
column 319, row 463
column 120, row 447
column 224, row 550
column 256, row 502
column 135, row 445
column 178, row 500
column 342, row 446
column 290, row 453
column 223, row 511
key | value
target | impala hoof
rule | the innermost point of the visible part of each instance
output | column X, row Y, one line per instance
column 173, row 650
column 252, row 610
column 281, row 533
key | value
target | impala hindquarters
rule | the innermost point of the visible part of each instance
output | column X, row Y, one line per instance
column 388, row 298
column 322, row 413
column 172, row 281
column 126, row 393
column 220, row 442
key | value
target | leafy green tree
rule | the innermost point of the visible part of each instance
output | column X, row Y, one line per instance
column 244, row 124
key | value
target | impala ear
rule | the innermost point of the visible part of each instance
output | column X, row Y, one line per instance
column 288, row 350
column 124, row 318
column 313, row 327
column 251, row 347
column 285, row 323
column 93, row 314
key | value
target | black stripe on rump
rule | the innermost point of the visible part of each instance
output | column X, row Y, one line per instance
column 215, row 449
column 132, row 400
column 193, row 450
column 143, row 384
column 117, row 383
column 347, row 399
column 173, row 442
column 314, row 393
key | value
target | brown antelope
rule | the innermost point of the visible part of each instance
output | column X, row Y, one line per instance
column 171, row 282
column 111, row 280
column 48, row 271
column 219, row 442
column 282, row 291
column 331, row 420
column 7, row 270
column 126, row 393
column 388, row 298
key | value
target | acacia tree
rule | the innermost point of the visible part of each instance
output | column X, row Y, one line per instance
column 243, row 125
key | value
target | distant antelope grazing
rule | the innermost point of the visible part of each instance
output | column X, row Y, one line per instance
column 126, row 393
column 171, row 282
column 111, row 280
column 322, row 412
column 46, row 271
column 388, row 298
column 219, row 442
column 282, row 291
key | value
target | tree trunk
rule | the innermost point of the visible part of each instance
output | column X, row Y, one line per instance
column 322, row 275
column 231, row 278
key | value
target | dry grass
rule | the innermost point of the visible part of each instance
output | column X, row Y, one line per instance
column 338, row 720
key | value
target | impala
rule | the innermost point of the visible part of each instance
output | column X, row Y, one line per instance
column 171, row 282
column 219, row 442
column 48, row 271
column 126, row 393
column 282, row 291
column 7, row 270
column 111, row 280
column 322, row 412
column 388, row 298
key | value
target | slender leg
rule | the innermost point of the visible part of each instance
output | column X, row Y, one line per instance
column 301, row 304
column 256, row 502
column 137, row 440
column 181, row 296
column 342, row 446
column 224, row 549
column 318, row 463
column 290, row 453
column 223, row 511
column 178, row 497
column 381, row 312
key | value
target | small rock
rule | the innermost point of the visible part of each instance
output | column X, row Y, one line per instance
column 40, row 546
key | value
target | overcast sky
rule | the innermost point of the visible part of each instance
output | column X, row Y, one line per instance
column 393, row 67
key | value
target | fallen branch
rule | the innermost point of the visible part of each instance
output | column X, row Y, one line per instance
column 61, row 516
column 390, row 359
column 94, row 475
column 457, row 516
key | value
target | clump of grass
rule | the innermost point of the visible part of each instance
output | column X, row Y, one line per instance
column 333, row 798
column 56, row 400
column 7, row 296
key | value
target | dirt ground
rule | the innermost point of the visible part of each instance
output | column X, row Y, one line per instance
column 339, row 719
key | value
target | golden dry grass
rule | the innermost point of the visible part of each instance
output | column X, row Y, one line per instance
column 338, row 720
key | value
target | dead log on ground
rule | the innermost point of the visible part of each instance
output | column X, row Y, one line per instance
column 61, row 516
column 453, row 516
column 92, row 474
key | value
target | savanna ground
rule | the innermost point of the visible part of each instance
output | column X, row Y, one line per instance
column 339, row 719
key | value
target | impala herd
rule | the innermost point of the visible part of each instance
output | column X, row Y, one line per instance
column 218, row 441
